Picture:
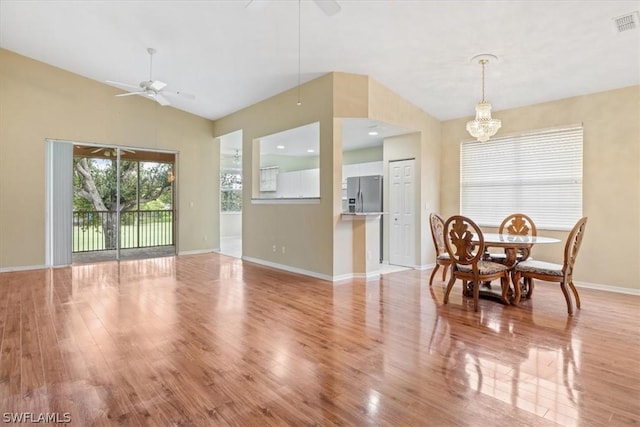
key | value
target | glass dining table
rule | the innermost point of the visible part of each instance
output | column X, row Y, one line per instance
column 513, row 243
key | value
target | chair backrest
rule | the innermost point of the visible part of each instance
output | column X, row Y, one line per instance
column 464, row 240
column 574, row 240
column 437, row 233
column 518, row 224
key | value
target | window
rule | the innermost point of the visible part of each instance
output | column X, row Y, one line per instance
column 538, row 174
column 230, row 191
column 289, row 164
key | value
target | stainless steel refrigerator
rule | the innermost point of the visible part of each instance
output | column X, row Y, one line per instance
column 364, row 194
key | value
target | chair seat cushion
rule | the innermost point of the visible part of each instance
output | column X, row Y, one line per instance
column 444, row 257
column 540, row 267
column 484, row 267
column 503, row 256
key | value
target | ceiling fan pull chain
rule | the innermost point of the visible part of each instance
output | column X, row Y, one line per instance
column 299, row 25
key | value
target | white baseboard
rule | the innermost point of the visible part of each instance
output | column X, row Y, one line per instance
column 26, row 268
column 197, row 252
column 425, row 266
column 316, row 275
column 288, row 268
column 607, row 288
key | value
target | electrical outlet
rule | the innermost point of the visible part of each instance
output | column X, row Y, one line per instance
column 284, row 249
column 273, row 248
column 205, row 238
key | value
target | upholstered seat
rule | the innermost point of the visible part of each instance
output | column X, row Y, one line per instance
column 540, row 267
column 497, row 257
column 484, row 267
column 561, row 273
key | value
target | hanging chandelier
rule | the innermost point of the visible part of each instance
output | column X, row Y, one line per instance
column 483, row 127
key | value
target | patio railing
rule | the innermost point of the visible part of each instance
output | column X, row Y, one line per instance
column 96, row 230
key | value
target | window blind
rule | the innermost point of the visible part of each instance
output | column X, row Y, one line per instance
column 538, row 174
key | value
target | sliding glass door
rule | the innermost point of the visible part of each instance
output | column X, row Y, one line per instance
column 123, row 203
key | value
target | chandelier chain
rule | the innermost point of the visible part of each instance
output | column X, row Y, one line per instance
column 483, row 62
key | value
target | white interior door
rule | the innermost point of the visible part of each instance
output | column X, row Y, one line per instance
column 402, row 231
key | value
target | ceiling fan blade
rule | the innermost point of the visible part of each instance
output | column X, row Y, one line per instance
column 329, row 7
column 157, row 85
column 129, row 93
column 161, row 99
column 123, row 85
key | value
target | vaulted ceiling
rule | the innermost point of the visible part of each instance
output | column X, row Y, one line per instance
column 230, row 56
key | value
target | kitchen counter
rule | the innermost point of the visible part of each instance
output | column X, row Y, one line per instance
column 362, row 214
column 366, row 242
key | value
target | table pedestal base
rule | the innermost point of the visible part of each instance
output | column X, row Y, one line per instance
column 493, row 292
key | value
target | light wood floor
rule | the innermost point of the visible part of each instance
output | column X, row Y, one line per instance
column 211, row 340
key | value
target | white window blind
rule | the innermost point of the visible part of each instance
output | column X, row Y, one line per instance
column 538, row 174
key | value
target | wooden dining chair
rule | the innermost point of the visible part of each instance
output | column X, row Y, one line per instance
column 516, row 224
column 442, row 256
column 465, row 245
column 550, row 272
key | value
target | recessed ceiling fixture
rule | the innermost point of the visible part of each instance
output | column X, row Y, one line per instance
column 626, row 22
column 373, row 133
column 310, row 150
column 280, row 147
column 483, row 127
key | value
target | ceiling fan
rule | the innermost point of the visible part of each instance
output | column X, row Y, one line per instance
column 329, row 7
column 153, row 89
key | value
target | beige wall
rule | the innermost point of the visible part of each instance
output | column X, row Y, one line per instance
column 388, row 107
column 316, row 238
column 303, row 230
column 38, row 101
column 362, row 155
column 611, row 187
column 360, row 96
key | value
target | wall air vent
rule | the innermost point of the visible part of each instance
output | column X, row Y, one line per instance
column 627, row 22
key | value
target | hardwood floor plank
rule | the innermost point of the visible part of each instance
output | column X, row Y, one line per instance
column 10, row 358
column 211, row 340
column 33, row 386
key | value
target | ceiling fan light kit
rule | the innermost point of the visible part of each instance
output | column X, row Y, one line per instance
column 483, row 127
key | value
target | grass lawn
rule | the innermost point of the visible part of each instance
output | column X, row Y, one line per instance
column 149, row 234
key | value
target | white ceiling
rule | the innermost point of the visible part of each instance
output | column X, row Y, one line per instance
column 231, row 56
